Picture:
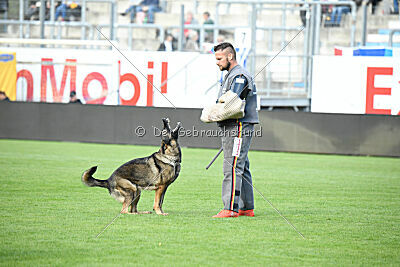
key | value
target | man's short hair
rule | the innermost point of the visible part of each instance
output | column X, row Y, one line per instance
column 207, row 13
column 226, row 45
column 72, row 94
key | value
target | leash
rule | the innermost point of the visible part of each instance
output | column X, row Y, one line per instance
column 215, row 157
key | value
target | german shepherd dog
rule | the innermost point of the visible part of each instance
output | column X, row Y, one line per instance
column 155, row 172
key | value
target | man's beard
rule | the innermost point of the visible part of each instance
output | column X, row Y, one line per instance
column 228, row 65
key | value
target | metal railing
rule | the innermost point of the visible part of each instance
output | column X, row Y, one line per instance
column 82, row 23
column 391, row 34
column 131, row 27
column 63, row 42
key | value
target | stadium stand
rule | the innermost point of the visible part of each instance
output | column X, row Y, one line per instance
column 99, row 13
column 286, row 79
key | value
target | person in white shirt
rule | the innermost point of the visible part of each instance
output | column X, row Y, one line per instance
column 167, row 45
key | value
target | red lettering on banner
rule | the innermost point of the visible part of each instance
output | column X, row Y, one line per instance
column 47, row 64
column 136, row 85
column 129, row 77
column 164, row 77
column 29, row 83
column 150, row 83
column 372, row 90
column 338, row 52
column 85, row 92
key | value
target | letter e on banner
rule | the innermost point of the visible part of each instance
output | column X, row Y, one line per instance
column 372, row 90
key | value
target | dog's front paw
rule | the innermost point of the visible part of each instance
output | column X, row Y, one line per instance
column 160, row 212
column 140, row 212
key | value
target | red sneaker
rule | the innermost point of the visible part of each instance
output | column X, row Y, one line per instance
column 226, row 214
column 249, row 213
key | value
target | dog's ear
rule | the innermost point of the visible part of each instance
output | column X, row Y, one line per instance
column 166, row 124
column 175, row 132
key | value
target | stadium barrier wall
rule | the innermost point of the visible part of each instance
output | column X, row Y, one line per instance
column 279, row 130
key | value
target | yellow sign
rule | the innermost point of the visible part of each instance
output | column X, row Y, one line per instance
column 8, row 74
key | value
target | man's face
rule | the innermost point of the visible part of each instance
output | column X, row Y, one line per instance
column 222, row 60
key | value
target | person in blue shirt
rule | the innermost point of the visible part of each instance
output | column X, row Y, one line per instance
column 149, row 6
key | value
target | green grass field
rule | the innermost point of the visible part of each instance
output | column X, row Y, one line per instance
column 348, row 208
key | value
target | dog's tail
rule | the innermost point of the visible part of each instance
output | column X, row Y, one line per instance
column 87, row 179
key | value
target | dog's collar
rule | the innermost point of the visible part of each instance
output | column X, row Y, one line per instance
column 170, row 160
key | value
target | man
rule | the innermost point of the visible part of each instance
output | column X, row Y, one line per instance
column 192, row 43
column 336, row 14
column 190, row 20
column 61, row 10
column 168, row 44
column 131, row 9
column 237, row 188
column 209, row 21
column 3, row 96
column 73, row 98
column 149, row 6
column 3, row 6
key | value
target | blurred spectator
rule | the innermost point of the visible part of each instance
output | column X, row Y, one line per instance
column 168, row 44
column 395, row 7
column 34, row 10
column 133, row 4
column 373, row 3
column 220, row 39
column 303, row 13
column 208, row 33
column 143, row 11
column 175, row 34
column 3, row 96
column 149, row 6
column 68, row 9
column 336, row 14
column 4, row 13
column 303, row 16
column 189, row 20
column 3, row 6
column 191, row 44
column 73, row 98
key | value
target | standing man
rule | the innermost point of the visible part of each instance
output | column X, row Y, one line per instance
column 237, row 188
column 208, row 33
